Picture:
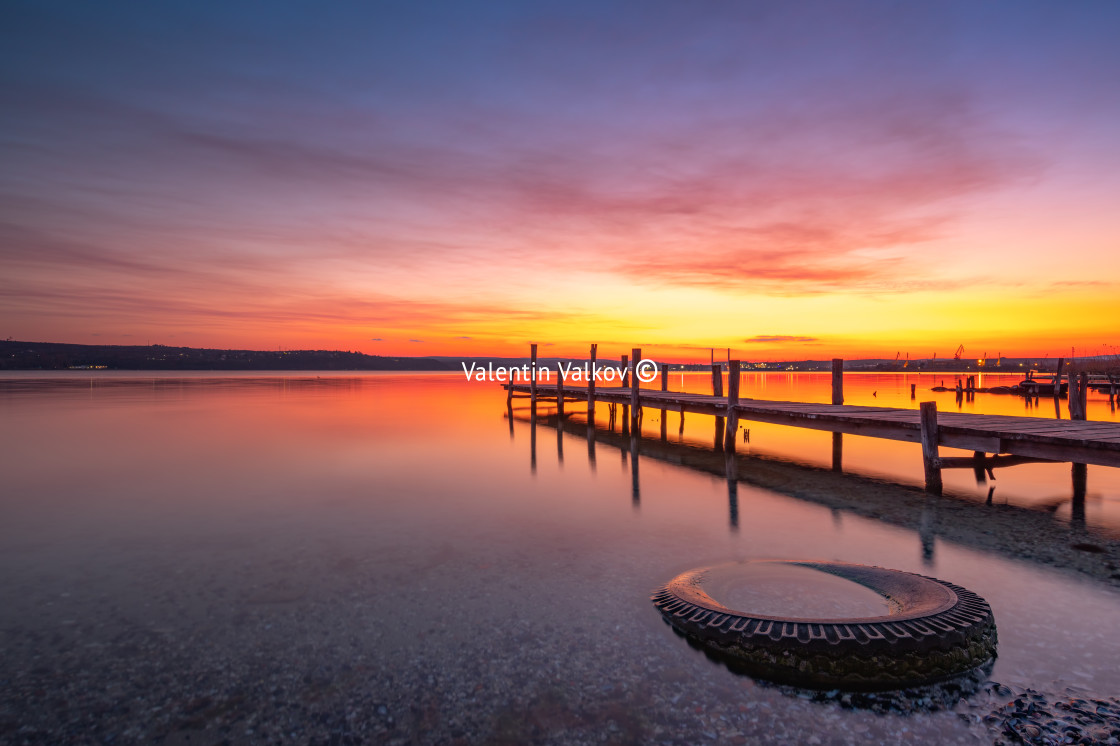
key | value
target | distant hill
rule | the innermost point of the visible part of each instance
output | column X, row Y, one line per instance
column 55, row 356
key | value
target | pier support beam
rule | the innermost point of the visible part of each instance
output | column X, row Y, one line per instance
column 732, row 400
column 533, row 377
column 931, row 460
column 560, row 394
column 635, row 387
column 838, row 451
column 664, row 412
column 837, row 380
column 591, row 382
column 1083, row 396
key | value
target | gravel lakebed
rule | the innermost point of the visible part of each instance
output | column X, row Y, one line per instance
column 350, row 645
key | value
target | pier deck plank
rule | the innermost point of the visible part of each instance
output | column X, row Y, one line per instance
column 1060, row 440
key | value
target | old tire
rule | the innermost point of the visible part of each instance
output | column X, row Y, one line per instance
column 935, row 631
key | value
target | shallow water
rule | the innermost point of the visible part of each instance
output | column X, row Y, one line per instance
column 388, row 558
column 791, row 591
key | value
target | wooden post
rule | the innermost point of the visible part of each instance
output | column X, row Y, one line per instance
column 625, row 372
column 664, row 412
column 838, row 451
column 1058, row 378
column 1083, row 396
column 837, row 380
column 717, row 390
column 978, row 469
column 732, row 400
column 930, row 458
column 560, row 393
column 591, row 381
column 533, row 376
column 1074, row 400
column 635, row 387
column 913, row 387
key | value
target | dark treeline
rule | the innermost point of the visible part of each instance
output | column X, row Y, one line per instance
column 54, row 356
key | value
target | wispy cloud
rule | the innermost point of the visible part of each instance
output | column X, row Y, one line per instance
column 772, row 338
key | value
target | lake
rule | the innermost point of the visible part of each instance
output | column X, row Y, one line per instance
column 388, row 558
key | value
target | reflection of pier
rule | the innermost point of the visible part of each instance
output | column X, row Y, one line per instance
column 1021, row 439
column 962, row 520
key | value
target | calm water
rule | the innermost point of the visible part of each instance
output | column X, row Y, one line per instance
column 389, row 558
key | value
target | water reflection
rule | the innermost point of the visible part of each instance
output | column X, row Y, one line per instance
column 635, row 483
column 969, row 521
column 345, row 547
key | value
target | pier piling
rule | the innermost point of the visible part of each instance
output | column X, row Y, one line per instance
column 732, row 400
column 635, row 387
column 931, row 460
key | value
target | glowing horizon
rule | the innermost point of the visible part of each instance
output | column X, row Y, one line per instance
column 790, row 182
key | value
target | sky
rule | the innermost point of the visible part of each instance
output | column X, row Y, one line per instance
column 789, row 180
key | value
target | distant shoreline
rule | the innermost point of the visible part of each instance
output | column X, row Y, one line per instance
column 56, row 356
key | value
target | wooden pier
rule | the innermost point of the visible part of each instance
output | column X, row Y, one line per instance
column 1018, row 439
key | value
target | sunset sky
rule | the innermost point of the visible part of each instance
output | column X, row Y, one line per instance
column 791, row 180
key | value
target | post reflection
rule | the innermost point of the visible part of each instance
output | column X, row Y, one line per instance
column 559, row 439
column 591, row 434
column 635, row 483
column 926, row 530
column 533, row 437
column 731, row 470
column 720, row 459
column 1080, row 473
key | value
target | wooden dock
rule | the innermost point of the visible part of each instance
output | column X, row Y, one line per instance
column 1018, row 439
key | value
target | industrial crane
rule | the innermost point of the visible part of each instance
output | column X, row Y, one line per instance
column 957, row 354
